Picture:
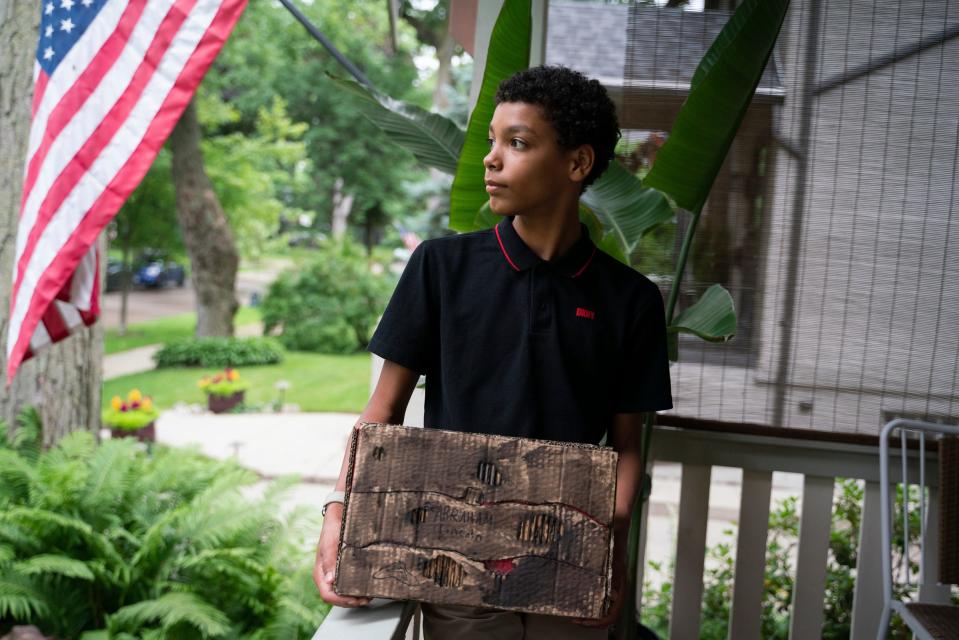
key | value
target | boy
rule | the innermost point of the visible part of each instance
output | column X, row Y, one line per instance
column 525, row 329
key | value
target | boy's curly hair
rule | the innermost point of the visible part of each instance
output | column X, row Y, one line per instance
column 578, row 108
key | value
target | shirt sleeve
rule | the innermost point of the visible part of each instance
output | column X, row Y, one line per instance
column 405, row 334
column 644, row 370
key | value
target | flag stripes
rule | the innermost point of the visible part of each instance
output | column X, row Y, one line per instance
column 99, row 119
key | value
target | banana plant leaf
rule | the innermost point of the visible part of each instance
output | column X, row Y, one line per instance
column 712, row 317
column 606, row 240
column 436, row 141
column 625, row 207
column 508, row 53
column 721, row 90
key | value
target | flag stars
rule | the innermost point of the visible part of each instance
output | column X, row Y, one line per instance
column 67, row 25
column 48, row 53
column 48, row 32
column 66, row 4
column 86, row 3
column 48, row 9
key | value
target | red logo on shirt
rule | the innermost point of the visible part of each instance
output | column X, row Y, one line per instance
column 585, row 313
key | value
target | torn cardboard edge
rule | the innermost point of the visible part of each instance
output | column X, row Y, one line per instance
column 453, row 531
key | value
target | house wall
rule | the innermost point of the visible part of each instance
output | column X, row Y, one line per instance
column 877, row 285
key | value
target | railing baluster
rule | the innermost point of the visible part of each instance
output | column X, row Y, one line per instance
column 746, row 615
column 691, row 552
column 807, row 606
column 867, row 597
column 641, row 557
column 930, row 590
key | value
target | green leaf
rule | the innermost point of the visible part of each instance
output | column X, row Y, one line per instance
column 508, row 53
column 171, row 609
column 720, row 93
column 484, row 217
column 625, row 207
column 50, row 563
column 712, row 317
column 436, row 141
column 21, row 599
column 607, row 241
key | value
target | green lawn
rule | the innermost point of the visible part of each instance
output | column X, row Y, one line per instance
column 318, row 383
column 165, row 329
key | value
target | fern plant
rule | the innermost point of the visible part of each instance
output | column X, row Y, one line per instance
column 108, row 541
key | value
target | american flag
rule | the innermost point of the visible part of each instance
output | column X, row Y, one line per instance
column 111, row 78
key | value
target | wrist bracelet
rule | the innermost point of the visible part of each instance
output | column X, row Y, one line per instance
column 331, row 497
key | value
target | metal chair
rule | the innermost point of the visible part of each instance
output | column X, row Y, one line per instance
column 931, row 616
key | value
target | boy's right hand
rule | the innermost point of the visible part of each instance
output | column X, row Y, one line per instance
column 325, row 567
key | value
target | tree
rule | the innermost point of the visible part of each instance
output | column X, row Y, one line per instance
column 206, row 231
column 63, row 382
column 147, row 220
column 349, row 161
column 432, row 28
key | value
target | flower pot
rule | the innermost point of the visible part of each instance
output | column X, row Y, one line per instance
column 143, row 434
column 223, row 404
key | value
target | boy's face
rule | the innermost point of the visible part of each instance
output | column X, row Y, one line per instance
column 526, row 170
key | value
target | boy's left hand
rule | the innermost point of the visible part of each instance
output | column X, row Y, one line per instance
column 617, row 589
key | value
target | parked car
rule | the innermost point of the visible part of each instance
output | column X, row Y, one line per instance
column 159, row 273
column 114, row 275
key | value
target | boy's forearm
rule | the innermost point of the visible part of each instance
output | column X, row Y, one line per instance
column 629, row 473
column 626, row 438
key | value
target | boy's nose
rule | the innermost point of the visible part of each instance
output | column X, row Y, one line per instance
column 491, row 161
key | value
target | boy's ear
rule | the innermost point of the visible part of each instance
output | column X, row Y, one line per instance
column 581, row 162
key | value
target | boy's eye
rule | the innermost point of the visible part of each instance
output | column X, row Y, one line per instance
column 489, row 142
column 517, row 143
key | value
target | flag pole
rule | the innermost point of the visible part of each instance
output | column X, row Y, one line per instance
column 316, row 33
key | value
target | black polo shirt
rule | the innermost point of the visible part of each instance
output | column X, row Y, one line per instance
column 515, row 345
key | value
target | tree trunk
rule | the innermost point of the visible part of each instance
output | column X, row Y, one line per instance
column 342, row 205
column 206, row 232
column 444, row 54
column 126, row 281
column 63, row 381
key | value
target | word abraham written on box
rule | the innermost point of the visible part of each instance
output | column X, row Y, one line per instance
column 471, row 519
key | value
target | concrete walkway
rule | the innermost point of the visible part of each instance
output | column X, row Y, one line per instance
column 309, row 445
column 141, row 359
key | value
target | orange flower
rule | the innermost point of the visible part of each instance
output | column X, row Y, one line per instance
column 147, row 404
column 232, row 375
column 135, row 396
column 116, row 403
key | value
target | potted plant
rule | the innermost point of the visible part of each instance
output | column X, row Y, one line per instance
column 134, row 417
column 224, row 390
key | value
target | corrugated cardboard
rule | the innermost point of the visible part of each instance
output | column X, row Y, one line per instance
column 480, row 520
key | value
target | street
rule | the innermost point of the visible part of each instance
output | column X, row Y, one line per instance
column 149, row 304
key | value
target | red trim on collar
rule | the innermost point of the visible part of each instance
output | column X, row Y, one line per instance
column 583, row 268
column 503, row 249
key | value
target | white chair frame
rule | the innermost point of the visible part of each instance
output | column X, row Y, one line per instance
column 889, row 604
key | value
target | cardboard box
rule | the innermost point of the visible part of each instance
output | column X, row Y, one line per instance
column 479, row 520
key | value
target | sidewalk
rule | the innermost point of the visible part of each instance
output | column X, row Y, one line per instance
column 141, row 359
column 310, row 445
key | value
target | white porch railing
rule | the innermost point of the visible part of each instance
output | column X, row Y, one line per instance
column 759, row 456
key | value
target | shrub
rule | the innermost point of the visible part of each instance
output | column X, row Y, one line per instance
column 332, row 304
column 219, row 352
column 111, row 542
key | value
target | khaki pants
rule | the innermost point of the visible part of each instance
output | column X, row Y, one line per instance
column 443, row 622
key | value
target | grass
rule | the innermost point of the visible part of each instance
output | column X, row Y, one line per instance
column 165, row 329
column 319, row 383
